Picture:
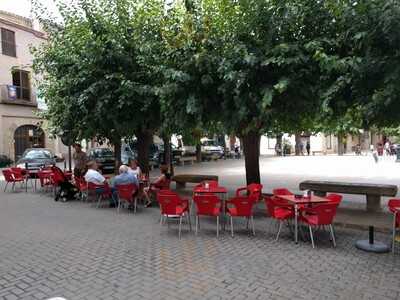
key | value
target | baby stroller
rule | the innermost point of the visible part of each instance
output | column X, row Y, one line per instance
column 64, row 190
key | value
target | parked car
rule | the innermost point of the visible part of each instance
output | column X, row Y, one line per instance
column 159, row 154
column 211, row 149
column 104, row 157
column 36, row 158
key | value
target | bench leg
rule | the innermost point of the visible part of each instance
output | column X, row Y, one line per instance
column 374, row 203
column 180, row 185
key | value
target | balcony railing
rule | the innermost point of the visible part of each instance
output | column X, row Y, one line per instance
column 12, row 96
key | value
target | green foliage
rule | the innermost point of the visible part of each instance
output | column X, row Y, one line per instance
column 99, row 68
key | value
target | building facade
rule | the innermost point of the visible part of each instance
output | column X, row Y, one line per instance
column 20, row 125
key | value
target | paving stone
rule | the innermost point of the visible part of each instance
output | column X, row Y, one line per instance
column 75, row 251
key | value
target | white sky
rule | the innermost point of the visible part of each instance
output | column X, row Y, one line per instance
column 23, row 7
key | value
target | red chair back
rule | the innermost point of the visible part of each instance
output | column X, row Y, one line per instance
column 44, row 177
column 168, row 203
column 255, row 190
column 208, row 204
column 324, row 212
column 126, row 191
column 282, row 191
column 18, row 172
column 80, row 183
column 244, row 205
column 335, row 198
column 58, row 175
column 394, row 207
column 272, row 203
column 8, row 175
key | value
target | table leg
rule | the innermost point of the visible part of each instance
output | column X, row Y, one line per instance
column 296, row 214
column 371, row 245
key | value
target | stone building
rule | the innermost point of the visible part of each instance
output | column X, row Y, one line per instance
column 20, row 125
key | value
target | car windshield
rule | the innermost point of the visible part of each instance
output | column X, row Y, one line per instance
column 38, row 154
column 103, row 152
column 209, row 143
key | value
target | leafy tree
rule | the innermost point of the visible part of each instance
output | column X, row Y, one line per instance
column 99, row 78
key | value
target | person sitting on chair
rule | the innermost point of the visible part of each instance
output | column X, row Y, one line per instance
column 160, row 183
column 94, row 176
column 134, row 168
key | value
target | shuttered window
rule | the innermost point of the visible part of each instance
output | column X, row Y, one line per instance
column 21, row 82
column 8, row 46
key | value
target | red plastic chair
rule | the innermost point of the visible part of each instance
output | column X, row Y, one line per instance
column 104, row 194
column 10, row 177
column 241, row 207
column 45, row 179
column 172, row 205
column 253, row 189
column 82, row 186
column 394, row 207
column 320, row 215
column 334, row 198
column 126, row 193
column 279, row 210
column 207, row 205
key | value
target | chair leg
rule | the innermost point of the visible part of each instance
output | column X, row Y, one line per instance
column 311, row 236
column 231, row 226
column 247, row 223
column 197, row 225
column 252, row 226
column 98, row 201
column 189, row 221
column 394, row 232
column 5, row 188
column 161, row 219
column 135, row 206
column 119, row 205
column 332, row 235
column 13, row 186
column 180, row 226
column 217, row 226
column 279, row 230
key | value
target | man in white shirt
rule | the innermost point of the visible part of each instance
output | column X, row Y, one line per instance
column 93, row 175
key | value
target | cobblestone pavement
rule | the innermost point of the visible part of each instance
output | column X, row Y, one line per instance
column 76, row 251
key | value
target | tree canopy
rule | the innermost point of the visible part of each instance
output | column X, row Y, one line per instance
column 122, row 68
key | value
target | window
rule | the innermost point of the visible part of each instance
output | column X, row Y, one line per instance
column 21, row 82
column 8, row 46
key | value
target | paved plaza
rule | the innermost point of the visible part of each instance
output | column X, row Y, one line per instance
column 76, row 251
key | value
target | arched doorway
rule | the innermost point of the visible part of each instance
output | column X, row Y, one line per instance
column 27, row 136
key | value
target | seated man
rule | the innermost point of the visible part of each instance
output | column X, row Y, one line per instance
column 94, row 176
column 125, row 177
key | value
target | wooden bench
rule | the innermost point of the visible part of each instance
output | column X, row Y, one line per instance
column 182, row 179
column 373, row 192
column 190, row 159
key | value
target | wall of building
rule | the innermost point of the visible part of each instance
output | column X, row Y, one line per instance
column 13, row 116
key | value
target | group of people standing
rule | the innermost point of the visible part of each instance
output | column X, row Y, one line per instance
column 128, row 174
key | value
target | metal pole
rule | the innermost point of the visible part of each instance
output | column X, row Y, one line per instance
column 69, row 158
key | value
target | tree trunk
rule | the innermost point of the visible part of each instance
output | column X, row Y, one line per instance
column 198, row 153
column 117, row 151
column 144, row 139
column 168, row 154
column 251, row 149
column 340, row 144
column 298, row 145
